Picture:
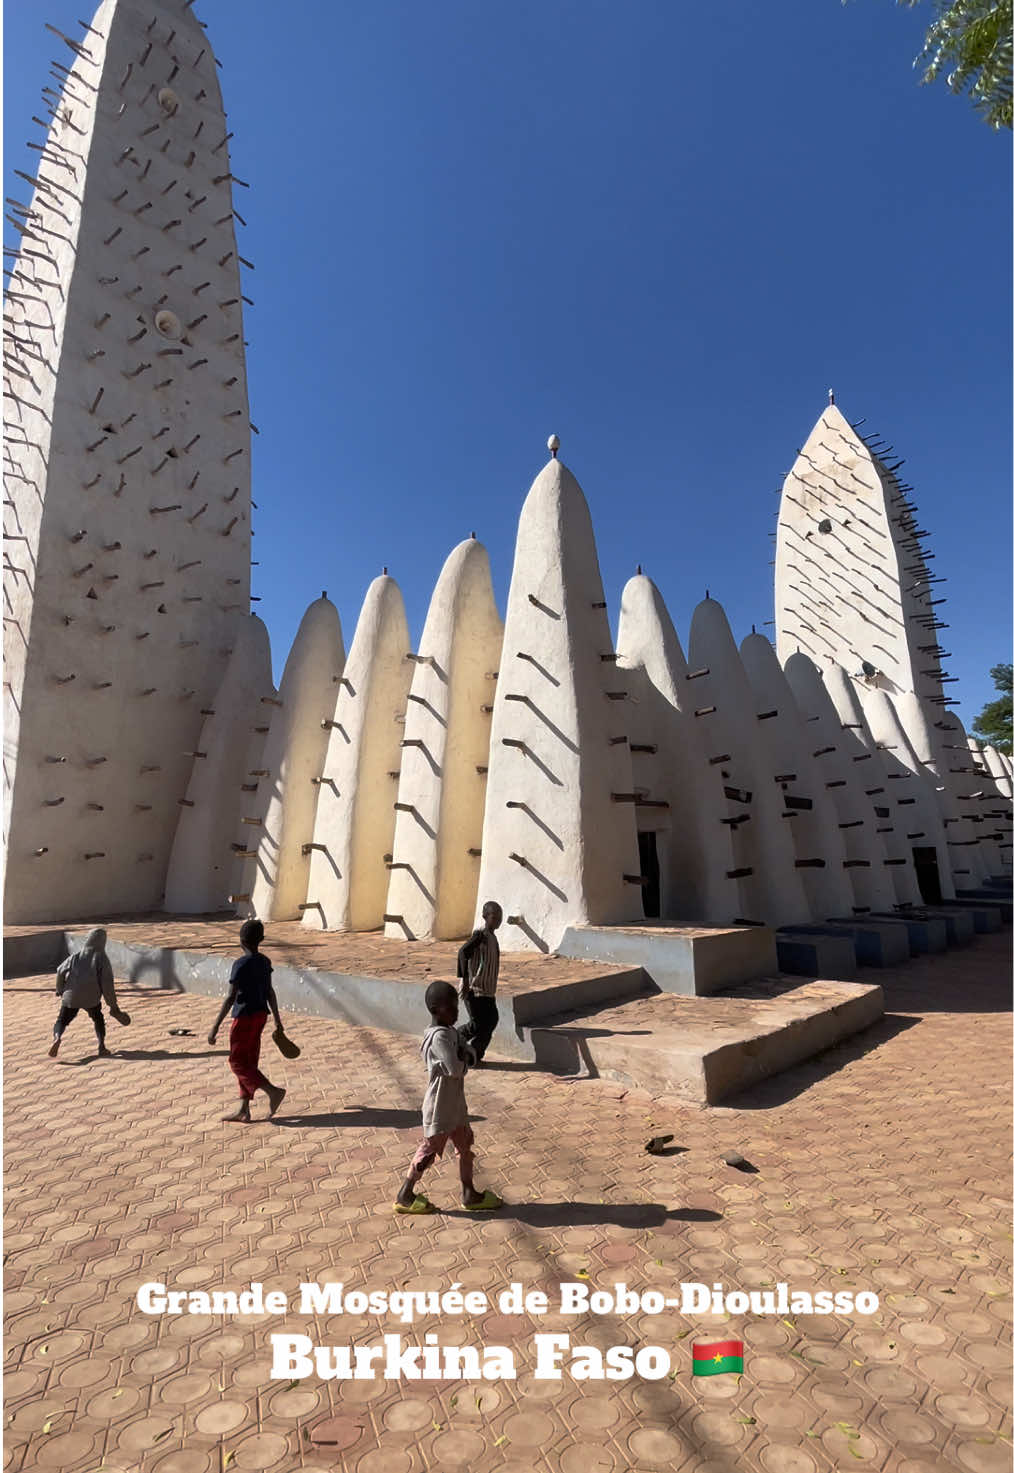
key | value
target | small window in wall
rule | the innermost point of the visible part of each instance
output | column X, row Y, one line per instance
column 651, row 891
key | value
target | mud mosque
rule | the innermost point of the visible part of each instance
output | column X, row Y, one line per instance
column 575, row 758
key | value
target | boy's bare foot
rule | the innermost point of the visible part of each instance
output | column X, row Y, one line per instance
column 241, row 1117
column 104, row 1052
column 275, row 1098
column 54, row 1048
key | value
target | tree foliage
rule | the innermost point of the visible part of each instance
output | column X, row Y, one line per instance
column 993, row 723
column 970, row 44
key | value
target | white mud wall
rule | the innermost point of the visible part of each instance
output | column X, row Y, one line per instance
column 354, row 827
column 668, row 758
column 816, row 837
column 445, row 754
column 771, row 890
column 201, row 866
column 278, row 820
column 894, row 829
column 559, row 845
column 911, row 784
column 936, row 735
column 858, row 819
column 127, row 490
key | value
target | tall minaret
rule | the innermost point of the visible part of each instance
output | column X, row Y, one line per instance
column 127, row 486
column 853, row 588
column 852, row 585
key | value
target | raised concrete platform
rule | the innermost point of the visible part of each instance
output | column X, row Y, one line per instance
column 960, row 923
column 556, row 1013
column 927, row 934
column 877, row 943
column 692, row 961
column 993, row 898
column 986, row 916
column 30, row 951
column 702, row 1049
column 394, row 1001
column 815, row 956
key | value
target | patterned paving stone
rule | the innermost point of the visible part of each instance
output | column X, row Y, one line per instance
column 588, row 1457
column 878, row 1168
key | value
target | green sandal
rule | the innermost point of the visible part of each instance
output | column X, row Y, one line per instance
column 489, row 1202
column 420, row 1207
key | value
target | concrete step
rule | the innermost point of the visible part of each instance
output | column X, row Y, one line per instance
column 985, row 897
column 701, row 1049
column 33, row 952
column 692, row 961
column 960, row 923
column 877, row 943
column 815, row 956
column 926, row 933
column 986, row 916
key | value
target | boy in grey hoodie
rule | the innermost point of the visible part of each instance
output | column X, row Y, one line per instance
column 82, row 981
column 444, row 1111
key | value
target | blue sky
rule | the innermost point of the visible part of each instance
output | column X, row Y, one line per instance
column 660, row 230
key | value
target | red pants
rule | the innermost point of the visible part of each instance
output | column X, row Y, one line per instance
column 432, row 1146
column 245, row 1051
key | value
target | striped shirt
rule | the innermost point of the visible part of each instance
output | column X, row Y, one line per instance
column 479, row 962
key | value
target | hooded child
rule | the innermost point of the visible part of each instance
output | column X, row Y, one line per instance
column 83, row 980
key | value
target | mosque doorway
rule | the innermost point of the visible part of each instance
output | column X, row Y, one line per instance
column 927, row 874
column 651, row 889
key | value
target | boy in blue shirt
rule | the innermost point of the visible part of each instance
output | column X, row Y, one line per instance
column 250, row 996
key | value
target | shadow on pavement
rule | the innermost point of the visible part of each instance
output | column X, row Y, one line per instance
column 162, row 1053
column 356, row 1116
column 780, row 1088
column 509, row 1066
column 976, row 994
column 593, row 1214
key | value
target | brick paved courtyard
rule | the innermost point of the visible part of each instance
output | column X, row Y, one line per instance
column 884, row 1166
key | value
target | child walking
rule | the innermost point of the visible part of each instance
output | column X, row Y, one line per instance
column 82, row 981
column 444, row 1111
column 250, row 996
column 479, row 968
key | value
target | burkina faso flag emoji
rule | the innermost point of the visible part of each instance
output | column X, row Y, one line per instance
column 719, row 1357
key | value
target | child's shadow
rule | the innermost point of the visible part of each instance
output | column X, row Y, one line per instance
column 130, row 1054
column 162, row 1053
column 594, row 1214
column 359, row 1115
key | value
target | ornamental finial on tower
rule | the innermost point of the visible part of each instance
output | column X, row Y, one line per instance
column 830, row 396
column 553, row 445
